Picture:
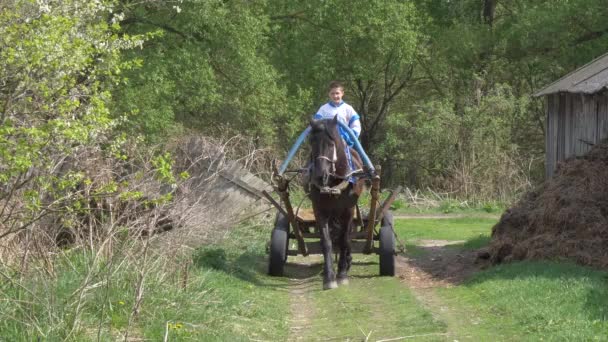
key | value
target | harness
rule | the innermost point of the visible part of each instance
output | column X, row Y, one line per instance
column 346, row 179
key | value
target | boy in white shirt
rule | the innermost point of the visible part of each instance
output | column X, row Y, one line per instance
column 347, row 115
column 343, row 110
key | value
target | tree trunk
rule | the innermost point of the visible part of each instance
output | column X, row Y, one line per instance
column 489, row 8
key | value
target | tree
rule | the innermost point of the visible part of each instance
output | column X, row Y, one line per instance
column 207, row 69
column 57, row 62
column 373, row 45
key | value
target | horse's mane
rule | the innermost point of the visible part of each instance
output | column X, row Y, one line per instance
column 327, row 127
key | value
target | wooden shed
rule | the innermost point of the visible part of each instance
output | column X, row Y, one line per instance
column 577, row 112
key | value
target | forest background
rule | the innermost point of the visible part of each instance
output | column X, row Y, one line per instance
column 97, row 96
column 444, row 88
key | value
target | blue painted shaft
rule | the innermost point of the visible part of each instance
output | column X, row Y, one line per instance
column 303, row 136
column 358, row 146
column 294, row 149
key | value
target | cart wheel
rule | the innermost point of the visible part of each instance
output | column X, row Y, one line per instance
column 279, row 242
column 387, row 246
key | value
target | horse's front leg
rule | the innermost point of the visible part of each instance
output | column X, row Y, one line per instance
column 345, row 252
column 329, row 277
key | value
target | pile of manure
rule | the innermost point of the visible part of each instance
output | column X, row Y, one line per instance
column 564, row 218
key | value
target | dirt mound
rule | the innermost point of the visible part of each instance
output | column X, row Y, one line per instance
column 566, row 217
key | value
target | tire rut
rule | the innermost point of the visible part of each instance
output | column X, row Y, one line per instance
column 438, row 267
column 303, row 274
column 300, row 308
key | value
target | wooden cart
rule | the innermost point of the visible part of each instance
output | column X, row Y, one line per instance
column 299, row 225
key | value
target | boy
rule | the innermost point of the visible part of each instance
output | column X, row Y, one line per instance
column 345, row 112
column 347, row 115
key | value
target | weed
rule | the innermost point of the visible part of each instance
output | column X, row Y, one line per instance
column 398, row 204
column 492, row 207
column 213, row 257
column 450, row 206
column 431, row 202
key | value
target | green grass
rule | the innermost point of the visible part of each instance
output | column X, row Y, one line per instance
column 225, row 297
column 533, row 301
column 445, row 229
column 228, row 297
column 231, row 298
column 448, row 206
column 524, row 301
column 57, row 303
column 372, row 306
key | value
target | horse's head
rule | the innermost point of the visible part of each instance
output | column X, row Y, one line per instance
column 327, row 152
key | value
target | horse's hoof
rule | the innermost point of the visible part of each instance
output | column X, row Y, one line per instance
column 342, row 281
column 330, row 285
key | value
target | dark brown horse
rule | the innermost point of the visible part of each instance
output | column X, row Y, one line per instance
column 333, row 197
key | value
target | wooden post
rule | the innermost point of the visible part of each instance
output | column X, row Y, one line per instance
column 360, row 225
column 275, row 203
column 371, row 217
column 283, row 190
column 387, row 203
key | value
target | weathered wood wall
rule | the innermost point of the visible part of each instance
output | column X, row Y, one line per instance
column 575, row 122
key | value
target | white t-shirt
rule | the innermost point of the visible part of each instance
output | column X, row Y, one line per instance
column 345, row 113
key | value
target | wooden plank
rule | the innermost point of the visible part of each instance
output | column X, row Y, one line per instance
column 602, row 116
column 387, row 203
column 590, row 121
column 569, row 139
column 283, row 190
column 241, row 185
column 371, row 222
column 581, row 125
column 275, row 203
column 552, row 102
column 577, row 125
column 306, row 215
column 575, row 80
column 568, row 129
column 362, row 235
column 561, row 126
column 587, row 122
column 559, row 107
column 573, row 136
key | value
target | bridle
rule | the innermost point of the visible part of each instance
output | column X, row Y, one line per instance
column 333, row 160
column 337, row 189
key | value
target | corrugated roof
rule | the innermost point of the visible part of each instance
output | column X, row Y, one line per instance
column 588, row 79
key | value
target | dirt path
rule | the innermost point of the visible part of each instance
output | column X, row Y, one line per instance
column 433, row 265
column 300, row 308
column 438, row 266
column 303, row 280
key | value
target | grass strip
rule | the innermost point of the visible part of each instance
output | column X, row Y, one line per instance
column 533, row 301
column 452, row 229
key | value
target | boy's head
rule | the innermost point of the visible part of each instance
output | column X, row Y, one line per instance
column 336, row 92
